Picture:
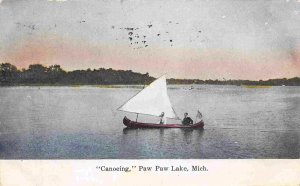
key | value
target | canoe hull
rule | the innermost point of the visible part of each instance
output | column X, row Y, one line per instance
column 132, row 124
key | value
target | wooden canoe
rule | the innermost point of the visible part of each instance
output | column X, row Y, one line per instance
column 132, row 124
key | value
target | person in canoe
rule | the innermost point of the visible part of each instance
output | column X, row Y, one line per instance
column 187, row 120
column 162, row 118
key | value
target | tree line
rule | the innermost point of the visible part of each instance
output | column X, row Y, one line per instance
column 271, row 82
column 37, row 74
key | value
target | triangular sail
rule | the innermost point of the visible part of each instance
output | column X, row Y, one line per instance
column 153, row 100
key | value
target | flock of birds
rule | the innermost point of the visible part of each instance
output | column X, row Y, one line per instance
column 139, row 41
column 137, row 37
column 30, row 27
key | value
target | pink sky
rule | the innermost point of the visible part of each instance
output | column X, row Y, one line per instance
column 210, row 39
column 176, row 62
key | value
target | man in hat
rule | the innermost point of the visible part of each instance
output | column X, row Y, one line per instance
column 187, row 120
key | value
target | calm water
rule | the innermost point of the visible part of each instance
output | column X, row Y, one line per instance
column 82, row 122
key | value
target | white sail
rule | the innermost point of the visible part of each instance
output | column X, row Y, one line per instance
column 153, row 100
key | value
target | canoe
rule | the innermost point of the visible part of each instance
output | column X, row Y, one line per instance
column 132, row 124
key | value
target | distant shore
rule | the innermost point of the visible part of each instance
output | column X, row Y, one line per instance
column 54, row 75
column 189, row 86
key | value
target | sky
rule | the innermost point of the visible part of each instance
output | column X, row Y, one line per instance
column 203, row 39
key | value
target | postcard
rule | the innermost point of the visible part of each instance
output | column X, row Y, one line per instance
column 140, row 92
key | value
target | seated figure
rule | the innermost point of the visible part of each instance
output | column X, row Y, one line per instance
column 162, row 118
column 187, row 120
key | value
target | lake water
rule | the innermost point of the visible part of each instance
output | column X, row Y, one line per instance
column 82, row 122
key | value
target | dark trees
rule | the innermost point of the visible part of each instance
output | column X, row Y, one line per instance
column 37, row 74
column 8, row 73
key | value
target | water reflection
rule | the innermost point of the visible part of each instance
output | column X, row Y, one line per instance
column 128, row 130
column 161, row 137
column 187, row 135
column 199, row 134
column 170, row 135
